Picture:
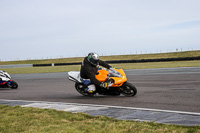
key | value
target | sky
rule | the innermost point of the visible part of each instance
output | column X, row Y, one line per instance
column 40, row 29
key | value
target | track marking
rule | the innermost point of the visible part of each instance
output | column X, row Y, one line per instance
column 118, row 107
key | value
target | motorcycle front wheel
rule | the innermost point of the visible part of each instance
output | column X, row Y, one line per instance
column 13, row 85
column 128, row 89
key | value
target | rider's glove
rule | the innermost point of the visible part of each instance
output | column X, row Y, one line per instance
column 104, row 85
column 112, row 67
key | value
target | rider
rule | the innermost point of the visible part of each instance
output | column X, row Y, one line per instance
column 89, row 68
column 1, row 75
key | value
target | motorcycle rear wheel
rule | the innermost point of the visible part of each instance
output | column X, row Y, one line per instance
column 128, row 89
column 80, row 87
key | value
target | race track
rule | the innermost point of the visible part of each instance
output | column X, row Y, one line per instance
column 175, row 89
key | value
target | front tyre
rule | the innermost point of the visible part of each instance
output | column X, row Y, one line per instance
column 13, row 85
column 128, row 89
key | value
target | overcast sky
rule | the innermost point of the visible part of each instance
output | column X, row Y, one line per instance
column 35, row 29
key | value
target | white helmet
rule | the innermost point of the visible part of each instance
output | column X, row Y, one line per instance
column 93, row 58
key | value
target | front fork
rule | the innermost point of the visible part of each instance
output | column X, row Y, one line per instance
column 9, row 83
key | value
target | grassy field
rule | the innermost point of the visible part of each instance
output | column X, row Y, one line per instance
column 33, row 120
column 106, row 58
column 123, row 66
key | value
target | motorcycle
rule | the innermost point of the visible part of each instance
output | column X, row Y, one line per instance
column 6, row 81
column 115, row 78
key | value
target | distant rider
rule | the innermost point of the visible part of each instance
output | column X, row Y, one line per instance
column 89, row 68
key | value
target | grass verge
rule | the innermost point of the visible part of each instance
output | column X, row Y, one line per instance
column 34, row 120
column 108, row 58
column 123, row 66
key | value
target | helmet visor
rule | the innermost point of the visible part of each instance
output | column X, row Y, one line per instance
column 94, row 62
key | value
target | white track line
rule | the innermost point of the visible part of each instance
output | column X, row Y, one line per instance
column 119, row 107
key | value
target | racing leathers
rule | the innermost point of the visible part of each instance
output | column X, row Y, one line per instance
column 88, row 70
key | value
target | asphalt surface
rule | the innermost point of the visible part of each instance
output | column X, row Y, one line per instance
column 175, row 89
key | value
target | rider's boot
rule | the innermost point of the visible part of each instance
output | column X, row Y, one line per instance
column 91, row 88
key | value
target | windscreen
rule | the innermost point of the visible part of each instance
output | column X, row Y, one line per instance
column 114, row 73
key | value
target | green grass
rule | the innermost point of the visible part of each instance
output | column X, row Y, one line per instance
column 33, row 120
column 123, row 66
column 106, row 58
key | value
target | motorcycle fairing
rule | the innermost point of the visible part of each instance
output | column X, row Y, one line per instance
column 118, row 78
column 5, row 82
column 74, row 76
column 2, row 82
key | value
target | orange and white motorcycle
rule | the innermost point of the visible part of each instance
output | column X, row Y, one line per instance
column 116, row 79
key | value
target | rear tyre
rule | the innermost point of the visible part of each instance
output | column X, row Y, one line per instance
column 13, row 85
column 80, row 87
column 128, row 89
